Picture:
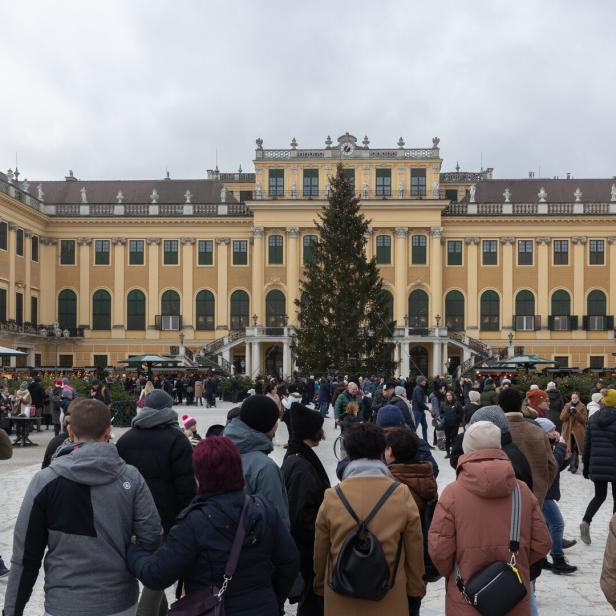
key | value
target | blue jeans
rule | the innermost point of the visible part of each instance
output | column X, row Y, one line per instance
column 420, row 420
column 534, row 609
column 323, row 408
column 556, row 525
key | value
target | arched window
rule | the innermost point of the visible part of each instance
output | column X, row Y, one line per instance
column 560, row 317
column 418, row 308
column 101, row 310
column 309, row 241
column 67, row 309
column 206, row 310
column 596, row 304
column 489, row 311
column 240, row 310
column 383, row 249
column 454, row 311
column 275, row 249
column 388, row 300
column 525, row 312
column 275, row 314
column 135, row 310
column 170, row 304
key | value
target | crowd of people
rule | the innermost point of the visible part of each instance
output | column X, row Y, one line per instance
column 218, row 516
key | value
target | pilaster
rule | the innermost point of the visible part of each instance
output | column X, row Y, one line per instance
column 83, row 304
column 543, row 293
column 400, row 273
column 188, row 266
column 11, row 245
column 472, row 250
column 222, row 291
column 258, row 274
column 28, row 275
column 579, row 262
column 436, row 272
column 507, row 281
column 48, row 264
column 292, row 276
column 117, row 313
column 153, row 244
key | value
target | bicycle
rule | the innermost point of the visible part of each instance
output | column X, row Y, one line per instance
column 339, row 448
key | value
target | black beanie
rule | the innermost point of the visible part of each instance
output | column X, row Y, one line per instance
column 305, row 423
column 259, row 413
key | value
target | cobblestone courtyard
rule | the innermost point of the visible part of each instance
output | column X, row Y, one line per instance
column 576, row 595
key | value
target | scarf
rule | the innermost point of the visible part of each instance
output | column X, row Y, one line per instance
column 366, row 468
column 300, row 448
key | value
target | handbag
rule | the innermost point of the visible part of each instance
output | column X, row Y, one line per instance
column 498, row 588
column 210, row 601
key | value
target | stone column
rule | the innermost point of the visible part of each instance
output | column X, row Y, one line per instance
column 369, row 246
column 48, row 264
column 507, row 281
column 397, row 358
column 188, row 301
column 543, row 293
column 612, row 265
column 472, row 325
column 436, row 273
column 579, row 262
column 286, row 359
column 28, row 282
column 444, row 357
column 436, row 358
column 292, row 275
column 118, row 322
column 11, row 245
column 222, row 290
column 404, row 359
column 258, row 273
column 401, row 269
column 153, row 299
column 84, row 282
column 256, row 358
column 247, row 349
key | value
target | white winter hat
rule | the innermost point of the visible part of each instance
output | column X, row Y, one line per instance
column 481, row 435
column 597, row 397
column 551, row 385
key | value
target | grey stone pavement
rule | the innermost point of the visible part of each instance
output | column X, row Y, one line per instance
column 574, row 595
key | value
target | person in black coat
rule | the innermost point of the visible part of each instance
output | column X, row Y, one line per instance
column 471, row 406
column 306, row 481
column 199, row 544
column 557, row 404
column 600, row 458
column 156, row 446
column 451, row 410
column 37, row 393
column 495, row 414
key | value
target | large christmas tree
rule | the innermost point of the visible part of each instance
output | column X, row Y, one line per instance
column 343, row 313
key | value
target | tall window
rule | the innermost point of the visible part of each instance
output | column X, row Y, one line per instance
column 596, row 318
column 311, row 182
column 489, row 250
column 34, row 311
column 490, row 311
column 275, row 246
column 383, row 182
column 524, row 319
column 276, row 182
column 275, row 309
column 560, row 317
column 101, row 252
column 454, row 311
column 3, row 302
column 308, row 246
column 206, row 309
column 67, row 252
column 19, row 308
column 597, row 252
column 206, row 252
column 67, row 309
column 4, row 236
column 34, row 244
column 171, row 252
column 419, row 249
column 240, row 252
column 19, row 248
column 454, row 252
column 525, row 252
column 561, row 252
column 418, row 182
column 101, row 310
column 418, row 308
column 136, row 252
column 383, row 249
column 349, row 176
column 240, row 310
column 135, row 310
column 170, row 303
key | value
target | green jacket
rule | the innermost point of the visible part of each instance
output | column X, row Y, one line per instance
column 343, row 399
column 489, row 397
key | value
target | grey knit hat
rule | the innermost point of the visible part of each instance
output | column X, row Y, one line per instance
column 491, row 413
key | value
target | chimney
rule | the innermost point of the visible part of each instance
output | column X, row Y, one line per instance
column 568, row 175
column 70, row 177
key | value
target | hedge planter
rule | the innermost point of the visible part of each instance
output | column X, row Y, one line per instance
column 123, row 412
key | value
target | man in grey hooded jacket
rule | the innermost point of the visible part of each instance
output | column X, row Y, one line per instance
column 83, row 509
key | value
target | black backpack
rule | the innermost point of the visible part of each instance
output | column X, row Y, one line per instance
column 361, row 570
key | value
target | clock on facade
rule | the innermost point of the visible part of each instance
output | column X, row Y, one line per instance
column 347, row 148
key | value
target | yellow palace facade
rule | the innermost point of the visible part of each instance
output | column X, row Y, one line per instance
column 94, row 271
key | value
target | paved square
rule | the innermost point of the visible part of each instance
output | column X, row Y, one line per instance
column 576, row 595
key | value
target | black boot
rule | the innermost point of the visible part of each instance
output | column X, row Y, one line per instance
column 561, row 566
column 573, row 465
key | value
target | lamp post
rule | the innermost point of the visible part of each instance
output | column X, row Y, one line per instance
column 437, row 318
column 255, row 318
column 510, row 347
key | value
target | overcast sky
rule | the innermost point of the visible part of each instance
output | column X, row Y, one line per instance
column 123, row 89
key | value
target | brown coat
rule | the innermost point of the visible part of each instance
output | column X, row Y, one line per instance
column 198, row 389
column 6, row 447
column 398, row 518
column 419, row 478
column 472, row 521
column 574, row 425
column 533, row 442
column 608, row 573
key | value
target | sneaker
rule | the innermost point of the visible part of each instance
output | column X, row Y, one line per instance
column 585, row 532
column 3, row 570
column 561, row 566
column 569, row 543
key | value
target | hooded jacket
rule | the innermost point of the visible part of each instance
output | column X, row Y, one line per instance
column 600, row 446
column 489, row 397
column 261, row 473
column 83, row 509
column 485, row 483
column 198, row 547
column 419, row 478
column 163, row 455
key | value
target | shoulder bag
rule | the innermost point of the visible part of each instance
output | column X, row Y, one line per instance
column 497, row 589
column 210, row 601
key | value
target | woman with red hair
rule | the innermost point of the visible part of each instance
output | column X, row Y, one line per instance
column 198, row 546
